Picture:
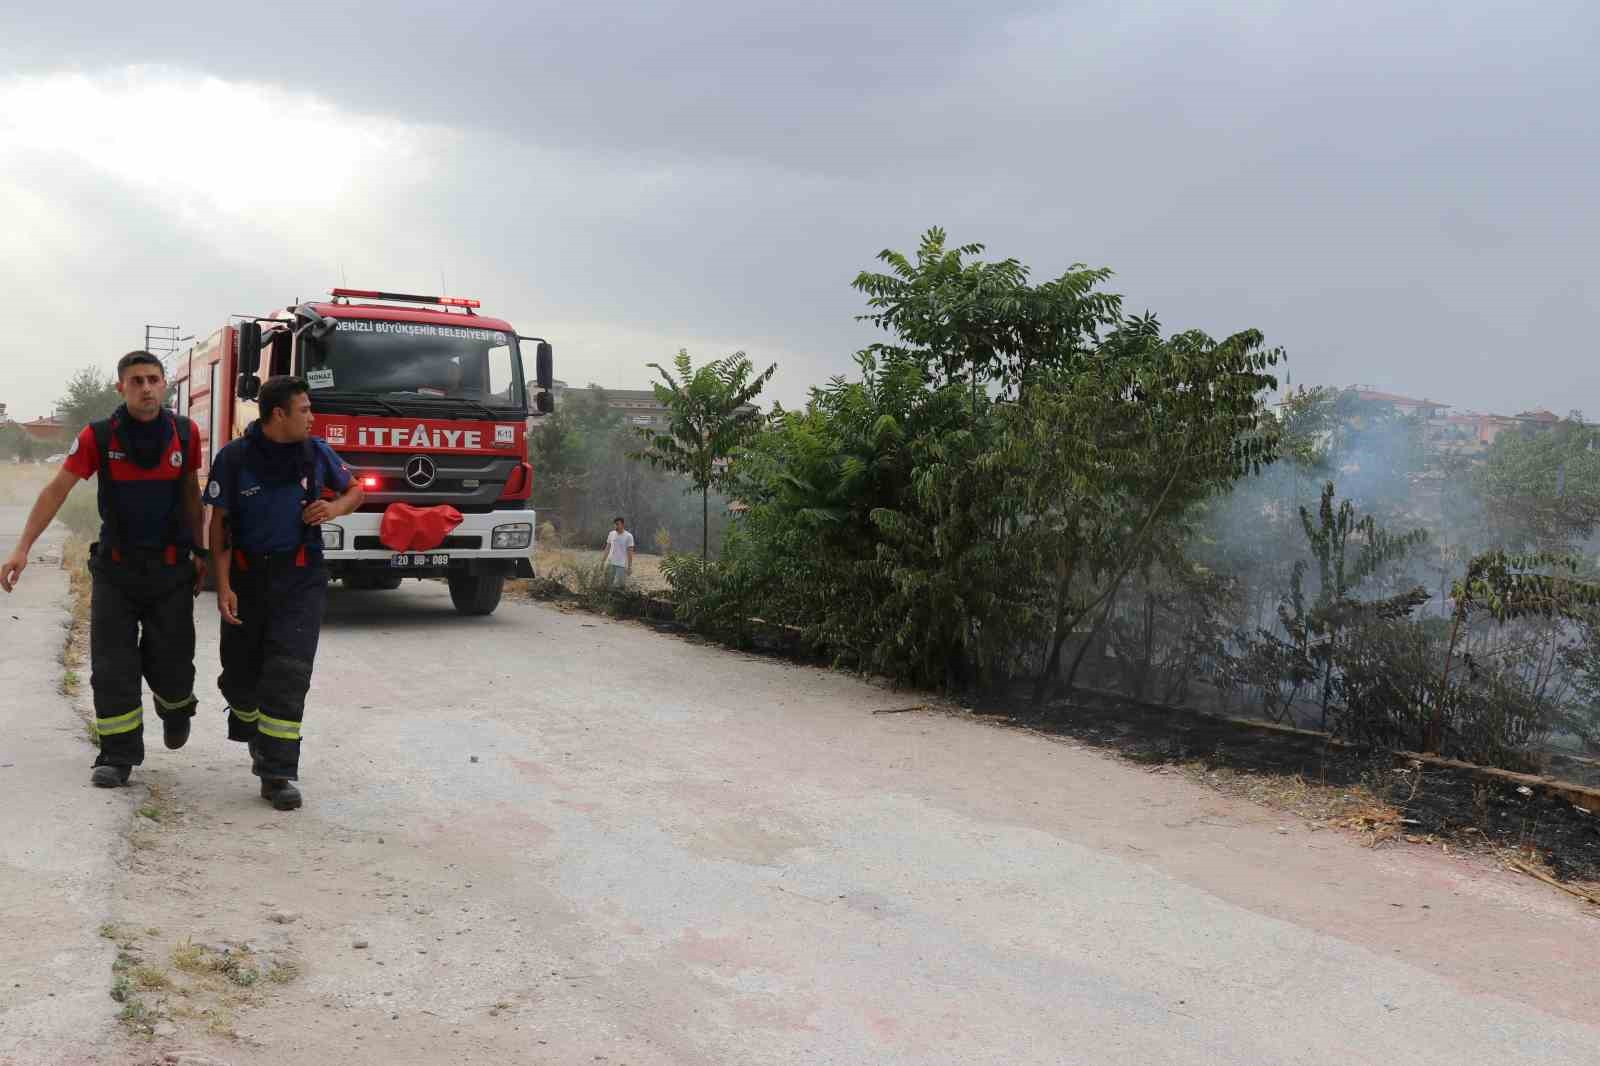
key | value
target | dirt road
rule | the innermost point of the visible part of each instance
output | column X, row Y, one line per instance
column 543, row 837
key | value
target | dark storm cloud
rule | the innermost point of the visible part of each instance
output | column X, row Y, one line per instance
column 790, row 82
column 1400, row 194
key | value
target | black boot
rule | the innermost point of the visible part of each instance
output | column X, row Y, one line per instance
column 110, row 776
column 175, row 731
column 283, row 794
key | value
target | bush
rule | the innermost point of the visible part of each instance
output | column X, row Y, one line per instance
column 591, row 585
column 1389, row 676
column 707, row 598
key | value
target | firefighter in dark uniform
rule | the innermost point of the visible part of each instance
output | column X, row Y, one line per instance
column 270, row 491
column 146, row 568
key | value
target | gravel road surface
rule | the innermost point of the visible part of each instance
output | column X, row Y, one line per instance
column 545, row 837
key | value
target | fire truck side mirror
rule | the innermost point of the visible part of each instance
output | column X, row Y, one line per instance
column 544, row 403
column 249, row 361
column 545, row 366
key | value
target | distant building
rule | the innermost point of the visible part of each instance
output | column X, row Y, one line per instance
column 46, row 429
column 638, row 407
column 1404, row 405
column 1469, row 431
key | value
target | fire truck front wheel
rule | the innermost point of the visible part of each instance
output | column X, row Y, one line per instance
column 476, row 594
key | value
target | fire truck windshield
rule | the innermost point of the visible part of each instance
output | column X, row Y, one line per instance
column 365, row 357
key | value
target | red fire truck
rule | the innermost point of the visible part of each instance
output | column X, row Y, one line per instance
column 423, row 397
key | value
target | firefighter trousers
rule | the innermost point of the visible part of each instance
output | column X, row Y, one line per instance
column 141, row 625
column 267, row 659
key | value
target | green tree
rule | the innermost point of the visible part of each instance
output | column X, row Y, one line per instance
column 16, row 443
column 1508, row 588
column 91, row 394
column 1317, row 628
column 1113, row 452
column 567, row 449
column 1540, row 488
column 1000, row 465
column 967, row 320
column 709, row 415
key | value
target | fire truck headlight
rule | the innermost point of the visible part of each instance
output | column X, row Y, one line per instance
column 514, row 535
column 332, row 538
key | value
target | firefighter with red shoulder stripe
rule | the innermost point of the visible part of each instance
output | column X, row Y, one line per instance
column 146, row 568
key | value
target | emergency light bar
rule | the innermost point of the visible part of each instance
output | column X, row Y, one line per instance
column 373, row 294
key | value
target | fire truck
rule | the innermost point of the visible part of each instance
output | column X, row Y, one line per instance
column 426, row 401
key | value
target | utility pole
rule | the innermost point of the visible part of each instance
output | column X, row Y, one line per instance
column 164, row 341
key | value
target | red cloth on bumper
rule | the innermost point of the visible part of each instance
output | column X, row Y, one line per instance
column 416, row 529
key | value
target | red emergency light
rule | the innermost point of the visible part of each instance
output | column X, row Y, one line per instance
column 407, row 298
column 368, row 481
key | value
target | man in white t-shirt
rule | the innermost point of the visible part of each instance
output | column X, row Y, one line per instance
column 619, row 555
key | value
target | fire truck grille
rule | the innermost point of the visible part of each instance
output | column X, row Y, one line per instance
column 462, row 543
column 470, row 483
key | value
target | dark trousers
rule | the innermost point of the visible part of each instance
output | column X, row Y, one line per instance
column 267, row 660
column 141, row 625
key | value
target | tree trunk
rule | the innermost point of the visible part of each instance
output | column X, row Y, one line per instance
column 1148, row 666
column 1058, row 635
column 1433, row 736
column 1094, row 634
column 705, row 522
column 1132, row 553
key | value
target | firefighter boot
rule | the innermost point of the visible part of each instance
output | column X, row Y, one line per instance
column 175, row 731
column 110, row 776
column 283, row 794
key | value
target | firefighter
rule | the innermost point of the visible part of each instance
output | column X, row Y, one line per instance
column 146, row 568
column 267, row 496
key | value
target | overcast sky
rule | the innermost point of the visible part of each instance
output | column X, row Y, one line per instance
column 1402, row 195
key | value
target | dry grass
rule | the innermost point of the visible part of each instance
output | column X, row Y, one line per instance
column 218, row 972
column 21, row 482
column 1352, row 807
column 159, row 806
column 1359, row 808
column 200, row 985
column 148, row 977
column 555, row 562
column 75, row 649
column 283, row 972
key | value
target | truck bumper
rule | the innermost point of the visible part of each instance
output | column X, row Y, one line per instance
column 470, row 545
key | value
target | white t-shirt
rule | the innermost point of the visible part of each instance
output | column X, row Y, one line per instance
column 617, row 547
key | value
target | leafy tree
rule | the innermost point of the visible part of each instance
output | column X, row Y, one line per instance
column 1508, row 588
column 1000, row 464
column 709, row 414
column 15, row 442
column 584, row 476
column 966, row 320
column 1540, row 488
column 1114, row 451
column 91, row 394
column 1317, row 628
column 1581, row 716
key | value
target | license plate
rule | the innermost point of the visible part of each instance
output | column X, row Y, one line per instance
column 419, row 560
